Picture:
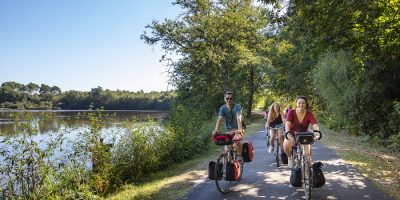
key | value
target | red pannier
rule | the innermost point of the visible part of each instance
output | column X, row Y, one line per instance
column 232, row 171
column 248, row 151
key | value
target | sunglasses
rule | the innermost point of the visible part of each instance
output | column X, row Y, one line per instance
column 229, row 98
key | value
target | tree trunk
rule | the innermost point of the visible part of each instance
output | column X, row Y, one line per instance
column 251, row 91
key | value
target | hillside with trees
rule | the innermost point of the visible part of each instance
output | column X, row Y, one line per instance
column 32, row 96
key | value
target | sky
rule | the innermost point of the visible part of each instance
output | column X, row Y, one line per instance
column 83, row 44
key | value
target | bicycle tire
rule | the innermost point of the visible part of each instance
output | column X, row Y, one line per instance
column 220, row 174
column 306, row 179
column 276, row 150
column 241, row 169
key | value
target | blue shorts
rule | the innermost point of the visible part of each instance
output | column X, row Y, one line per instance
column 282, row 125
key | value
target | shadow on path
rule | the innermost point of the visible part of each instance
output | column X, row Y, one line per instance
column 262, row 179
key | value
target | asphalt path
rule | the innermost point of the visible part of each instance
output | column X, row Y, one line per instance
column 262, row 179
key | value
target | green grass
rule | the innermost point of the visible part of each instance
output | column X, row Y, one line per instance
column 178, row 180
column 376, row 163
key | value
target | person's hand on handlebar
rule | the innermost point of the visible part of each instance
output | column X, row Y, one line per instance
column 287, row 132
column 239, row 132
column 318, row 135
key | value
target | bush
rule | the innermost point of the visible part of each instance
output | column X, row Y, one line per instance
column 394, row 142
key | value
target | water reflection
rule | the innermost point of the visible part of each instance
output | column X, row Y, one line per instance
column 73, row 118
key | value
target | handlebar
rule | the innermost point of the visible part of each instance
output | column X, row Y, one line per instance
column 314, row 131
column 286, row 134
column 320, row 134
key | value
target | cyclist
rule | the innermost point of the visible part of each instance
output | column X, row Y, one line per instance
column 275, row 119
column 289, row 107
column 298, row 120
column 231, row 112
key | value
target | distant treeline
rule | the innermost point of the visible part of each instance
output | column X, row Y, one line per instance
column 33, row 96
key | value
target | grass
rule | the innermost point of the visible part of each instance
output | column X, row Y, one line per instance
column 176, row 181
column 376, row 163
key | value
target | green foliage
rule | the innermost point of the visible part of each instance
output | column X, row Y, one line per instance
column 30, row 168
column 137, row 152
column 352, row 50
column 222, row 46
column 147, row 148
column 334, row 77
column 394, row 142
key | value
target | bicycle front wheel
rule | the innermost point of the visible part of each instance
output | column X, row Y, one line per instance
column 307, row 180
column 220, row 176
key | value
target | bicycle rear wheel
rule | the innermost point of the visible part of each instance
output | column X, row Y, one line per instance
column 220, row 174
column 241, row 167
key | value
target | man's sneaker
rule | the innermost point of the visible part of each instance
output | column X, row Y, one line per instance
column 290, row 162
column 270, row 148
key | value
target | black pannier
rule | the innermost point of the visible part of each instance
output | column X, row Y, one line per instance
column 211, row 170
column 319, row 178
column 284, row 158
column 295, row 177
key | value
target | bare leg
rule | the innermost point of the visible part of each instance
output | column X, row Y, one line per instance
column 280, row 135
column 287, row 146
column 272, row 138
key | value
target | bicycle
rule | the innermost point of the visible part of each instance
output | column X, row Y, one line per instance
column 222, row 179
column 276, row 148
column 300, row 159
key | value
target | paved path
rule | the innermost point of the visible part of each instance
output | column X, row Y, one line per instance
column 262, row 179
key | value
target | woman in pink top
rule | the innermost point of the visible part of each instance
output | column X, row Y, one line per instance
column 298, row 120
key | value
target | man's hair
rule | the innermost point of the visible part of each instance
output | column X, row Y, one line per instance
column 228, row 92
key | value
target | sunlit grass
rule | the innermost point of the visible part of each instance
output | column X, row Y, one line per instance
column 378, row 164
column 178, row 180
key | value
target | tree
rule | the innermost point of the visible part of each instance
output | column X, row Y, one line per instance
column 221, row 46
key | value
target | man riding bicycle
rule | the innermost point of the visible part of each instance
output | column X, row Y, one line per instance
column 231, row 112
column 298, row 120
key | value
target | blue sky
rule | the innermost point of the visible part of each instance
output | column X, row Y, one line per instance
column 82, row 44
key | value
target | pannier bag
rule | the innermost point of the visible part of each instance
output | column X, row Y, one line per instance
column 222, row 139
column 248, row 151
column 211, row 170
column 295, row 177
column 319, row 178
column 232, row 171
column 305, row 138
column 284, row 158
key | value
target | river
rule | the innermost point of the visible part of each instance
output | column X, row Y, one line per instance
column 111, row 119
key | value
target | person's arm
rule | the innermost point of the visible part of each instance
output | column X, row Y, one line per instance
column 268, row 117
column 239, row 121
column 218, row 124
column 283, row 117
column 315, row 127
column 289, row 120
column 313, row 121
column 287, row 125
